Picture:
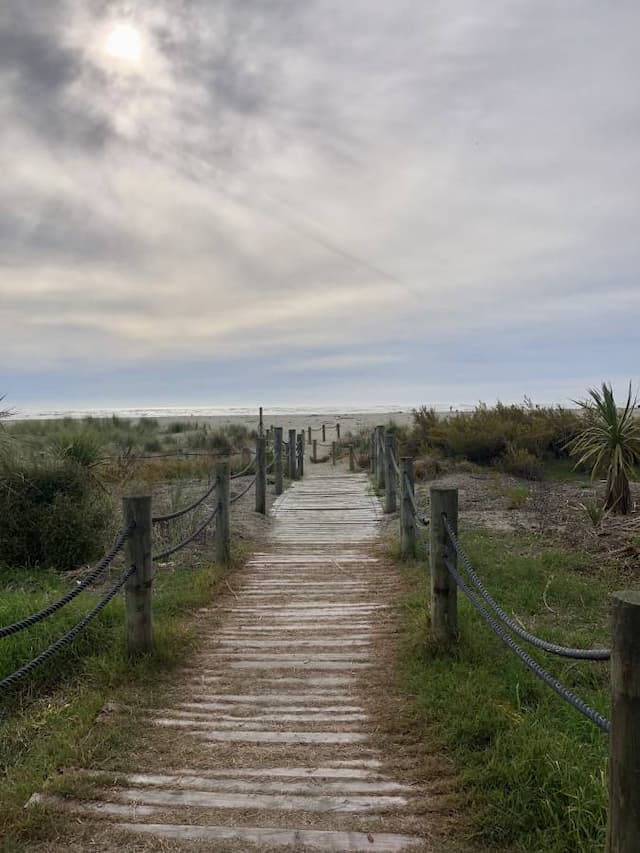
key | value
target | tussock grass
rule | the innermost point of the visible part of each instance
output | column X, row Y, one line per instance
column 532, row 769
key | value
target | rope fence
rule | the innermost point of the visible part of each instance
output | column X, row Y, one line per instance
column 137, row 535
column 451, row 569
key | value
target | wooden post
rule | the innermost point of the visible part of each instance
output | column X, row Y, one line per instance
column 352, row 458
column 338, row 431
column 372, row 453
column 300, row 451
column 260, row 424
column 261, row 475
column 390, row 504
column 277, row 464
column 223, row 535
column 292, row 454
column 444, row 590
column 333, row 453
column 380, row 463
column 138, row 586
column 324, row 433
column 315, row 449
column 309, row 434
column 407, row 521
column 623, row 830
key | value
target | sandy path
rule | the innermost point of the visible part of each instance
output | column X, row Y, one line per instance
column 270, row 742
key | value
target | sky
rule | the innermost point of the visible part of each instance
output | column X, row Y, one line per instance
column 215, row 202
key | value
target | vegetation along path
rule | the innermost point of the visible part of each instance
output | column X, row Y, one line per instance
column 270, row 740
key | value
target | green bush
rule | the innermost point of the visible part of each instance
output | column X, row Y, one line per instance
column 53, row 513
column 522, row 463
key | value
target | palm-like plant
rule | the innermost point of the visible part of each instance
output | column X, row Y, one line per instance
column 611, row 440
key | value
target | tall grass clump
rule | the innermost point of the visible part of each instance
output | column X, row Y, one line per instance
column 53, row 513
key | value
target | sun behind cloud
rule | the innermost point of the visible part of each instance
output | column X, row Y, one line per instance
column 124, row 43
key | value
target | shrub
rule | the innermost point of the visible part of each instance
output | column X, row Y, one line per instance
column 84, row 447
column 522, row 463
column 52, row 513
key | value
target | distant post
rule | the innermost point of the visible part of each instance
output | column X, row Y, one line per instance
column 624, row 745
column 407, row 521
column 444, row 590
column 137, row 510
column 372, row 453
column 380, row 472
column 352, row 458
column 260, row 423
column 277, row 464
column 292, row 454
column 223, row 534
column 309, row 434
column 261, row 475
column 315, row 449
column 324, row 433
column 338, row 431
column 390, row 472
column 333, row 453
column 300, row 449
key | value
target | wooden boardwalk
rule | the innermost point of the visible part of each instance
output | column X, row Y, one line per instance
column 270, row 744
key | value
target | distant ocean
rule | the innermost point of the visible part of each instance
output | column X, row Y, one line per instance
column 221, row 411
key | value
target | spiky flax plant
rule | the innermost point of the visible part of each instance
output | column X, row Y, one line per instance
column 611, row 441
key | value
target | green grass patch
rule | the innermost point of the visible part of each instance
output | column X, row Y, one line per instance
column 48, row 722
column 531, row 767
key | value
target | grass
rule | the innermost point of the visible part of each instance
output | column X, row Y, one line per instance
column 532, row 769
column 48, row 722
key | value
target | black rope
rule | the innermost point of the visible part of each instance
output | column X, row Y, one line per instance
column 533, row 665
column 9, row 680
column 188, row 540
column 88, row 579
column 180, row 512
column 554, row 648
column 244, row 470
column 243, row 492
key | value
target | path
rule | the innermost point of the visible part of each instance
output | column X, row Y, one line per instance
column 271, row 744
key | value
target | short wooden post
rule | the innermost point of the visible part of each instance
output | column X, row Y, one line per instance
column 260, row 423
column 338, row 431
column 407, row 521
column 139, row 622
column 223, row 534
column 380, row 463
column 309, row 434
column 390, row 504
column 324, row 433
column 315, row 449
column 277, row 462
column 300, row 450
column 293, row 468
column 333, row 453
column 623, row 832
column 352, row 458
column 444, row 590
column 372, row 453
column 261, row 475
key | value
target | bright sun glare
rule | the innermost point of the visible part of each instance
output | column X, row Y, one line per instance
column 124, row 43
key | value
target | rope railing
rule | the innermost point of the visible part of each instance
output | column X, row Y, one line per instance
column 244, row 470
column 244, row 491
column 535, row 667
column 86, row 581
column 187, row 540
column 66, row 638
column 553, row 648
column 171, row 516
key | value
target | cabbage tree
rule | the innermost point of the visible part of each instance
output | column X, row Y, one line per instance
column 610, row 441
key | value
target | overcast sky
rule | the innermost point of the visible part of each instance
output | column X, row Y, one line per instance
column 215, row 202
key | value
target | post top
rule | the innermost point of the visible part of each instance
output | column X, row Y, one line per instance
column 627, row 596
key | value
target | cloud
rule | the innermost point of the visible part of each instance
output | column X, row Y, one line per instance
column 361, row 180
